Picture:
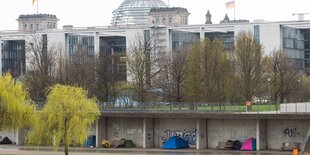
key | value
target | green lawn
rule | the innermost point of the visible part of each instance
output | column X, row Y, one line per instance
column 201, row 107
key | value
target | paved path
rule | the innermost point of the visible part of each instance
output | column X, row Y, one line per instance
column 15, row 150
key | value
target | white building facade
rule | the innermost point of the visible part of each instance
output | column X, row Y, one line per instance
column 293, row 37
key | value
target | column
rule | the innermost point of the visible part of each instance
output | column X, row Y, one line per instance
column 202, row 33
column 201, row 134
column 148, row 133
column 96, row 43
column 20, row 137
column 0, row 56
column 257, row 135
column 261, row 139
column 101, row 130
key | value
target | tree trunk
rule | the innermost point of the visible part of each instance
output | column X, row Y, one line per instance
column 66, row 149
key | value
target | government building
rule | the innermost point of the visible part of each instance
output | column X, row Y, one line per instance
column 150, row 19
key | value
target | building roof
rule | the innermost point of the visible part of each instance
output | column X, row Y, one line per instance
column 168, row 9
column 135, row 12
column 37, row 16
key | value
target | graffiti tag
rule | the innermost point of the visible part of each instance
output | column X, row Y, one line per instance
column 189, row 136
column 291, row 132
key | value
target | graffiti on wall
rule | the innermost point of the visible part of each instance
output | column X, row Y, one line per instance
column 290, row 132
column 189, row 136
column 115, row 130
column 134, row 131
column 240, row 133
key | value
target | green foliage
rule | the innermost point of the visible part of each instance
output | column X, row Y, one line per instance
column 208, row 70
column 248, row 65
column 65, row 118
column 15, row 112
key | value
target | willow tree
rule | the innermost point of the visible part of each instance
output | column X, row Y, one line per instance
column 15, row 112
column 65, row 119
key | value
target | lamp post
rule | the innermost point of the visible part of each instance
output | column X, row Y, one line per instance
column 299, row 90
column 269, row 82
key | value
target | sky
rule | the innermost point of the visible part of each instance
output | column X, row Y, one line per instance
column 83, row 13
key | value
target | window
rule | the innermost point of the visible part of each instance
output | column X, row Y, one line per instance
column 157, row 21
column 170, row 20
column 257, row 33
column 164, row 21
column 31, row 26
column 37, row 26
column 25, row 27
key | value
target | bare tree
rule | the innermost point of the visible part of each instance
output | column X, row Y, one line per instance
column 248, row 65
column 172, row 77
column 143, row 61
column 40, row 66
column 284, row 77
column 105, row 77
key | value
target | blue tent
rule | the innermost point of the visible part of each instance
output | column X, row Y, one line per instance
column 175, row 142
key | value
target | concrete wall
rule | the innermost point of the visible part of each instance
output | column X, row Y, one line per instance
column 280, row 131
column 167, row 127
column 270, row 37
column 224, row 130
column 295, row 107
column 128, row 128
column 11, row 135
column 101, row 131
column 262, row 134
column 148, row 132
column 202, row 134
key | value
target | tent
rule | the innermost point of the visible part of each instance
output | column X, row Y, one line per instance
column 249, row 145
column 175, row 142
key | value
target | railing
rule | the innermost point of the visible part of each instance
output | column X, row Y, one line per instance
column 202, row 107
column 187, row 106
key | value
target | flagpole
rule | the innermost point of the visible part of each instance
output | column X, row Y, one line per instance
column 235, row 10
column 37, row 6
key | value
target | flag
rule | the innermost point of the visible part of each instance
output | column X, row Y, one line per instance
column 33, row 1
column 230, row 5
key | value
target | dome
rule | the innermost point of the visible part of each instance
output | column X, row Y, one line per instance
column 132, row 12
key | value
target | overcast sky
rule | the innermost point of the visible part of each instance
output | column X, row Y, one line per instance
column 82, row 13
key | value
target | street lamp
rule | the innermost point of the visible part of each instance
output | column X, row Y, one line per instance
column 269, row 83
column 299, row 90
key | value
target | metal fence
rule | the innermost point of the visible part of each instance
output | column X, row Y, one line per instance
column 187, row 106
column 202, row 107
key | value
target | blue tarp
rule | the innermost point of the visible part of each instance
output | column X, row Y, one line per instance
column 90, row 142
column 175, row 142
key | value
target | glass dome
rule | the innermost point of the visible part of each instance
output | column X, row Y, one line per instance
column 132, row 12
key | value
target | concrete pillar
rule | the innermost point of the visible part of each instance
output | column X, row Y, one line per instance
column 101, row 130
column 168, row 40
column 96, row 43
column 0, row 56
column 201, row 137
column 202, row 33
column 148, row 133
column 261, row 139
column 20, row 137
column 257, row 135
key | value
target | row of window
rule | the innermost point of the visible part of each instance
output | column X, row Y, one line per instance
column 50, row 25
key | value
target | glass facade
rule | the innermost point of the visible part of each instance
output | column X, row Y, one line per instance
column 293, row 45
column 226, row 38
column 136, row 12
column 113, row 52
column 306, row 35
column 183, row 40
column 13, row 57
column 81, row 44
column 257, row 33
